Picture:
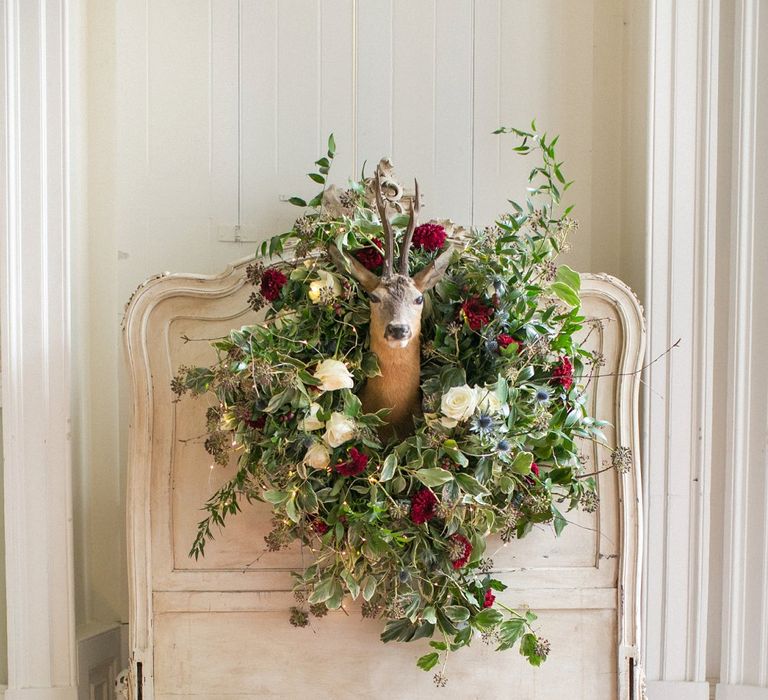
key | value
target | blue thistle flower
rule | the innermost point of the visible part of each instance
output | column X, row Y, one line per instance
column 503, row 446
column 491, row 346
column 542, row 396
column 482, row 424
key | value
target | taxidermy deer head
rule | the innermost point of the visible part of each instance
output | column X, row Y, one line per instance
column 396, row 303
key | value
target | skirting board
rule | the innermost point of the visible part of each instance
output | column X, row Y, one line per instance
column 740, row 692
column 677, row 690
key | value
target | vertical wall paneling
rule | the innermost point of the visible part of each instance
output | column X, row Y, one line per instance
column 680, row 288
column 225, row 136
column 35, row 316
column 260, row 209
column 745, row 598
column 375, row 30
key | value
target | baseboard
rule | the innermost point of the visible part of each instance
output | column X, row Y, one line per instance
column 740, row 692
column 677, row 690
column 99, row 660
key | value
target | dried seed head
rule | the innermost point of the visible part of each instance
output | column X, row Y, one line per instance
column 299, row 618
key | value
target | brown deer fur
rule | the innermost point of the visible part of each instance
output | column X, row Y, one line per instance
column 395, row 328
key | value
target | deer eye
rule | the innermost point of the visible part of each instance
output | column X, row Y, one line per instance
column 419, row 299
column 374, row 299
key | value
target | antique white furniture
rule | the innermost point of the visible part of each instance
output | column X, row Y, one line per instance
column 218, row 628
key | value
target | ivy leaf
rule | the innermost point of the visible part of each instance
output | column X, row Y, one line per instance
column 522, row 463
column 568, row 277
column 456, row 613
column 297, row 201
column 559, row 522
column 275, row 497
column 471, row 485
column 433, row 477
column 290, row 509
column 369, row 587
column 388, row 468
column 566, row 293
column 428, row 661
column 486, row 619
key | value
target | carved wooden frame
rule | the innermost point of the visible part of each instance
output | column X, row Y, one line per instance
column 151, row 294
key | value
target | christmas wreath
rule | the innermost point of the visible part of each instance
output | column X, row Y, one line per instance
column 399, row 513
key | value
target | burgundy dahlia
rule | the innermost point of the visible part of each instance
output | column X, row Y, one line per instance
column 423, row 505
column 272, row 281
column 355, row 465
column 535, row 468
column 429, row 237
column 563, row 374
column 476, row 313
column 489, row 599
column 371, row 256
column 460, row 550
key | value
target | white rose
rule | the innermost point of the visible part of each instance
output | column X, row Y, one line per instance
column 487, row 401
column 334, row 375
column 339, row 429
column 326, row 281
column 311, row 421
column 458, row 404
column 317, row 456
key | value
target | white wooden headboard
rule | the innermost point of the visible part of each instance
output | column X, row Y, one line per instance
column 218, row 628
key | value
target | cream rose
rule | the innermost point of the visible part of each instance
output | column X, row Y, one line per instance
column 326, row 281
column 311, row 421
column 317, row 456
column 487, row 401
column 334, row 375
column 339, row 429
column 458, row 404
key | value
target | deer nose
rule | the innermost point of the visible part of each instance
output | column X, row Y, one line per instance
column 398, row 331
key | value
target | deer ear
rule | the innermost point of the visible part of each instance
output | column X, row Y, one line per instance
column 428, row 277
column 361, row 273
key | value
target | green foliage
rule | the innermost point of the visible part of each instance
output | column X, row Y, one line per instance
column 499, row 470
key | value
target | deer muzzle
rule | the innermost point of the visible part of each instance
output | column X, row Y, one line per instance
column 397, row 332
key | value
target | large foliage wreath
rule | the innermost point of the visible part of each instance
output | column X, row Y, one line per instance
column 404, row 525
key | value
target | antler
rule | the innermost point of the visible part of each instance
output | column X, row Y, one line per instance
column 389, row 242
column 409, row 232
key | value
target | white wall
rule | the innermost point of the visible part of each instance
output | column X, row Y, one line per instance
column 202, row 115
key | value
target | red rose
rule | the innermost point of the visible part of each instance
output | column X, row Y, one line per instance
column 355, row 465
column 504, row 340
column 563, row 374
column 476, row 313
column 429, row 237
column 489, row 599
column 535, row 468
column 423, row 506
column 371, row 257
column 461, row 550
column 272, row 282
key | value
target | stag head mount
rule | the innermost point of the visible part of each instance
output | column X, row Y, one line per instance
column 396, row 298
